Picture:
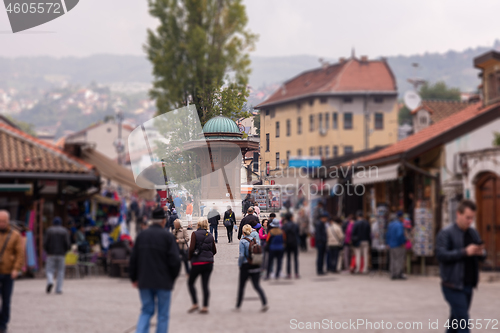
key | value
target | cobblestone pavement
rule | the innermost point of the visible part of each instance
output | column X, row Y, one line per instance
column 101, row 304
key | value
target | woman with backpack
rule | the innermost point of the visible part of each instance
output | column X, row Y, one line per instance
column 275, row 242
column 248, row 269
column 229, row 222
column 201, row 253
column 182, row 239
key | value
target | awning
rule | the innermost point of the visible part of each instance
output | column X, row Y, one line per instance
column 374, row 174
column 105, row 200
column 15, row 187
column 108, row 168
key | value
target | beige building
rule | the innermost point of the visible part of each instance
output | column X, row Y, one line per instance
column 329, row 111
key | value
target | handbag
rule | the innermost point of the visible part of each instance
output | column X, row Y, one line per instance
column 228, row 223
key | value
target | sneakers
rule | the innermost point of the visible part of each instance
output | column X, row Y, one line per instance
column 264, row 308
column 193, row 309
column 49, row 288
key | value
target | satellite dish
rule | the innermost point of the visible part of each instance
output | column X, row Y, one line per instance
column 412, row 100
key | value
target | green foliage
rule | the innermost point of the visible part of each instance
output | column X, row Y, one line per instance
column 439, row 91
column 496, row 140
column 405, row 116
column 199, row 56
column 24, row 126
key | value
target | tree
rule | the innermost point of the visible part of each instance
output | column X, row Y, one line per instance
column 405, row 116
column 496, row 140
column 199, row 56
column 439, row 91
column 23, row 126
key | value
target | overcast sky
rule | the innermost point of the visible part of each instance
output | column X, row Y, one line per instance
column 325, row 28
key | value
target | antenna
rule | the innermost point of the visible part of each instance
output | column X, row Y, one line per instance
column 412, row 100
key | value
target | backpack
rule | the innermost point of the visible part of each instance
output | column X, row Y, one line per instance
column 228, row 223
column 276, row 243
column 255, row 255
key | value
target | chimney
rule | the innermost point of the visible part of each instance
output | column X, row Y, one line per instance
column 341, row 60
column 364, row 58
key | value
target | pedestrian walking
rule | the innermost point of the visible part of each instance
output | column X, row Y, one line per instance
column 291, row 231
column 275, row 242
column 56, row 244
column 153, row 268
column 395, row 239
column 321, row 241
column 229, row 222
column 201, row 253
column 182, row 239
column 335, row 239
column 11, row 263
column 263, row 237
column 213, row 221
column 248, row 270
column 189, row 213
column 361, row 238
column 173, row 216
column 459, row 249
column 250, row 218
column 303, row 222
column 347, row 229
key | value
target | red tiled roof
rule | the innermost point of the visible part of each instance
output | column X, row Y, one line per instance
column 432, row 132
column 21, row 152
column 350, row 76
column 441, row 109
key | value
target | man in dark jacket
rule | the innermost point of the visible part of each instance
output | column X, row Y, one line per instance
column 56, row 244
column 213, row 220
column 251, row 219
column 229, row 222
column 154, row 265
column 361, row 236
column 459, row 249
column 291, row 230
column 171, row 219
column 321, row 241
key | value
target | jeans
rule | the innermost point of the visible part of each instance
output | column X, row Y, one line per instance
column 459, row 301
column 6, row 287
column 320, row 262
column 278, row 255
column 334, row 256
column 303, row 242
column 205, row 271
column 347, row 257
column 214, row 232
column 55, row 264
column 289, row 252
column 254, row 273
column 362, row 251
column 229, row 234
column 148, row 299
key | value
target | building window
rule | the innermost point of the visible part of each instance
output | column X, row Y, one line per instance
column 311, row 151
column 379, row 121
column 277, row 129
column 323, row 100
column 311, row 123
column 327, row 151
column 277, row 160
column 299, row 106
column 335, row 151
column 347, row 99
column 335, row 123
column 311, row 101
column 267, row 142
column 288, row 127
column 299, row 152
column 327, row 120
column 423, row 120
column 299, row 125
column 287, row 155
column 255, row 161
column 379, row 100
column 320, row 151
column 267, row 112
column 347, row 150
column 267, row 168
column 348, row 120
column 320, row 121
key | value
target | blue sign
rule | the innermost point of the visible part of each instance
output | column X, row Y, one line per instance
column 304, row 163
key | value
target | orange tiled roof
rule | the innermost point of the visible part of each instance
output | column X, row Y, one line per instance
column 21, row 152
column 432, row 132
column 441, row 109
column 350, row 76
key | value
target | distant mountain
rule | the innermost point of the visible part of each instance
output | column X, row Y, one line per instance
column 25, row 73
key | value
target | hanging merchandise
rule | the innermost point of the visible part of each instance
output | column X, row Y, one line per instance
column 423, row 242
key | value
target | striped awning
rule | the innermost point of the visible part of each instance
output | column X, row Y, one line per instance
column 374, row 174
